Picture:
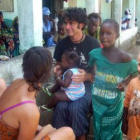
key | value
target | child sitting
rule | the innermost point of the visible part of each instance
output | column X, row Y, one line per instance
column 70, row 91
column 131, row 116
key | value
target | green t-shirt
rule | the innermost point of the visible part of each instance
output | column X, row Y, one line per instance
column 96, row 34
column 109, row 74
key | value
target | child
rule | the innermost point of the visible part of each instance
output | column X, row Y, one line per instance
column 131, row 118
column 61, row 31
column 93, row 28
column 126, row 19
column 114, row 69
column 70, row 91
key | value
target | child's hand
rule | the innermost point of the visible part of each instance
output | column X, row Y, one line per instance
column 57, row 71
column 121, row 86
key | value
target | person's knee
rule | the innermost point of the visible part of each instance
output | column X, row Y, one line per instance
column 62, row 106
column 69, row 132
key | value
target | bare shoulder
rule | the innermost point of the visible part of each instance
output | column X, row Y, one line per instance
column 2, row 82
column 125, row 57
column 29, row 111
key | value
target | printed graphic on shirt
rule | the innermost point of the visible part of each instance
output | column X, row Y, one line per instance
column 106, row 83
column 134, row 108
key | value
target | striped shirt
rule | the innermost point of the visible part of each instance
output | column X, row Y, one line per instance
column 75, row 90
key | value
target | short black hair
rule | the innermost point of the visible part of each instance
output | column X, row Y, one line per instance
column 76, row 14
column 94, row 15
column 73, row 55
column 60, row 22
column 114, row 23
column 37, row 64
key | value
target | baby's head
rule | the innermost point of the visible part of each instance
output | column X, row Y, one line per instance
column 109, row 32
column 61, row 27
column 94, row 21
column 70, row 59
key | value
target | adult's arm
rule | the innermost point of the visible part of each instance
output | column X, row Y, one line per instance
column 82, row 76
column 53, row 30
column 28, row 122
column 2, row 86
column 44, row 131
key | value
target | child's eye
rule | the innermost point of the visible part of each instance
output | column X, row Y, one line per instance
column 108, row 33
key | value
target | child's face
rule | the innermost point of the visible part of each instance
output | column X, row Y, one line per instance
column 64, row 62
column 139, row 63
column 93, row 25
column 61, row 30
column 45, row 18
column 108, row 35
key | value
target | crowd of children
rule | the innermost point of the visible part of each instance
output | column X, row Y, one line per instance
column 113, row 113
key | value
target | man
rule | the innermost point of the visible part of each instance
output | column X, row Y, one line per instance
column 74, row 114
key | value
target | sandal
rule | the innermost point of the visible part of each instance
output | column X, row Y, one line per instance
column 44, row 108
column 47, row 91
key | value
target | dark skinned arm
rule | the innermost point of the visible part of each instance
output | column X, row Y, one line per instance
column 92, row 72
column 123, row 84
column 126, row 58
column 125, row 121
column 53, row 28
column 66, row 82
column 62, row 83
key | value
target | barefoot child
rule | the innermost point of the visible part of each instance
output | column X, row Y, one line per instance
column 70, row 91
column 114, row 69
column 131, row 116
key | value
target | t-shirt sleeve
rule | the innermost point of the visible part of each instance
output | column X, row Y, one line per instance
column 128, row 95
column 134, row 70
column 91, row 58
